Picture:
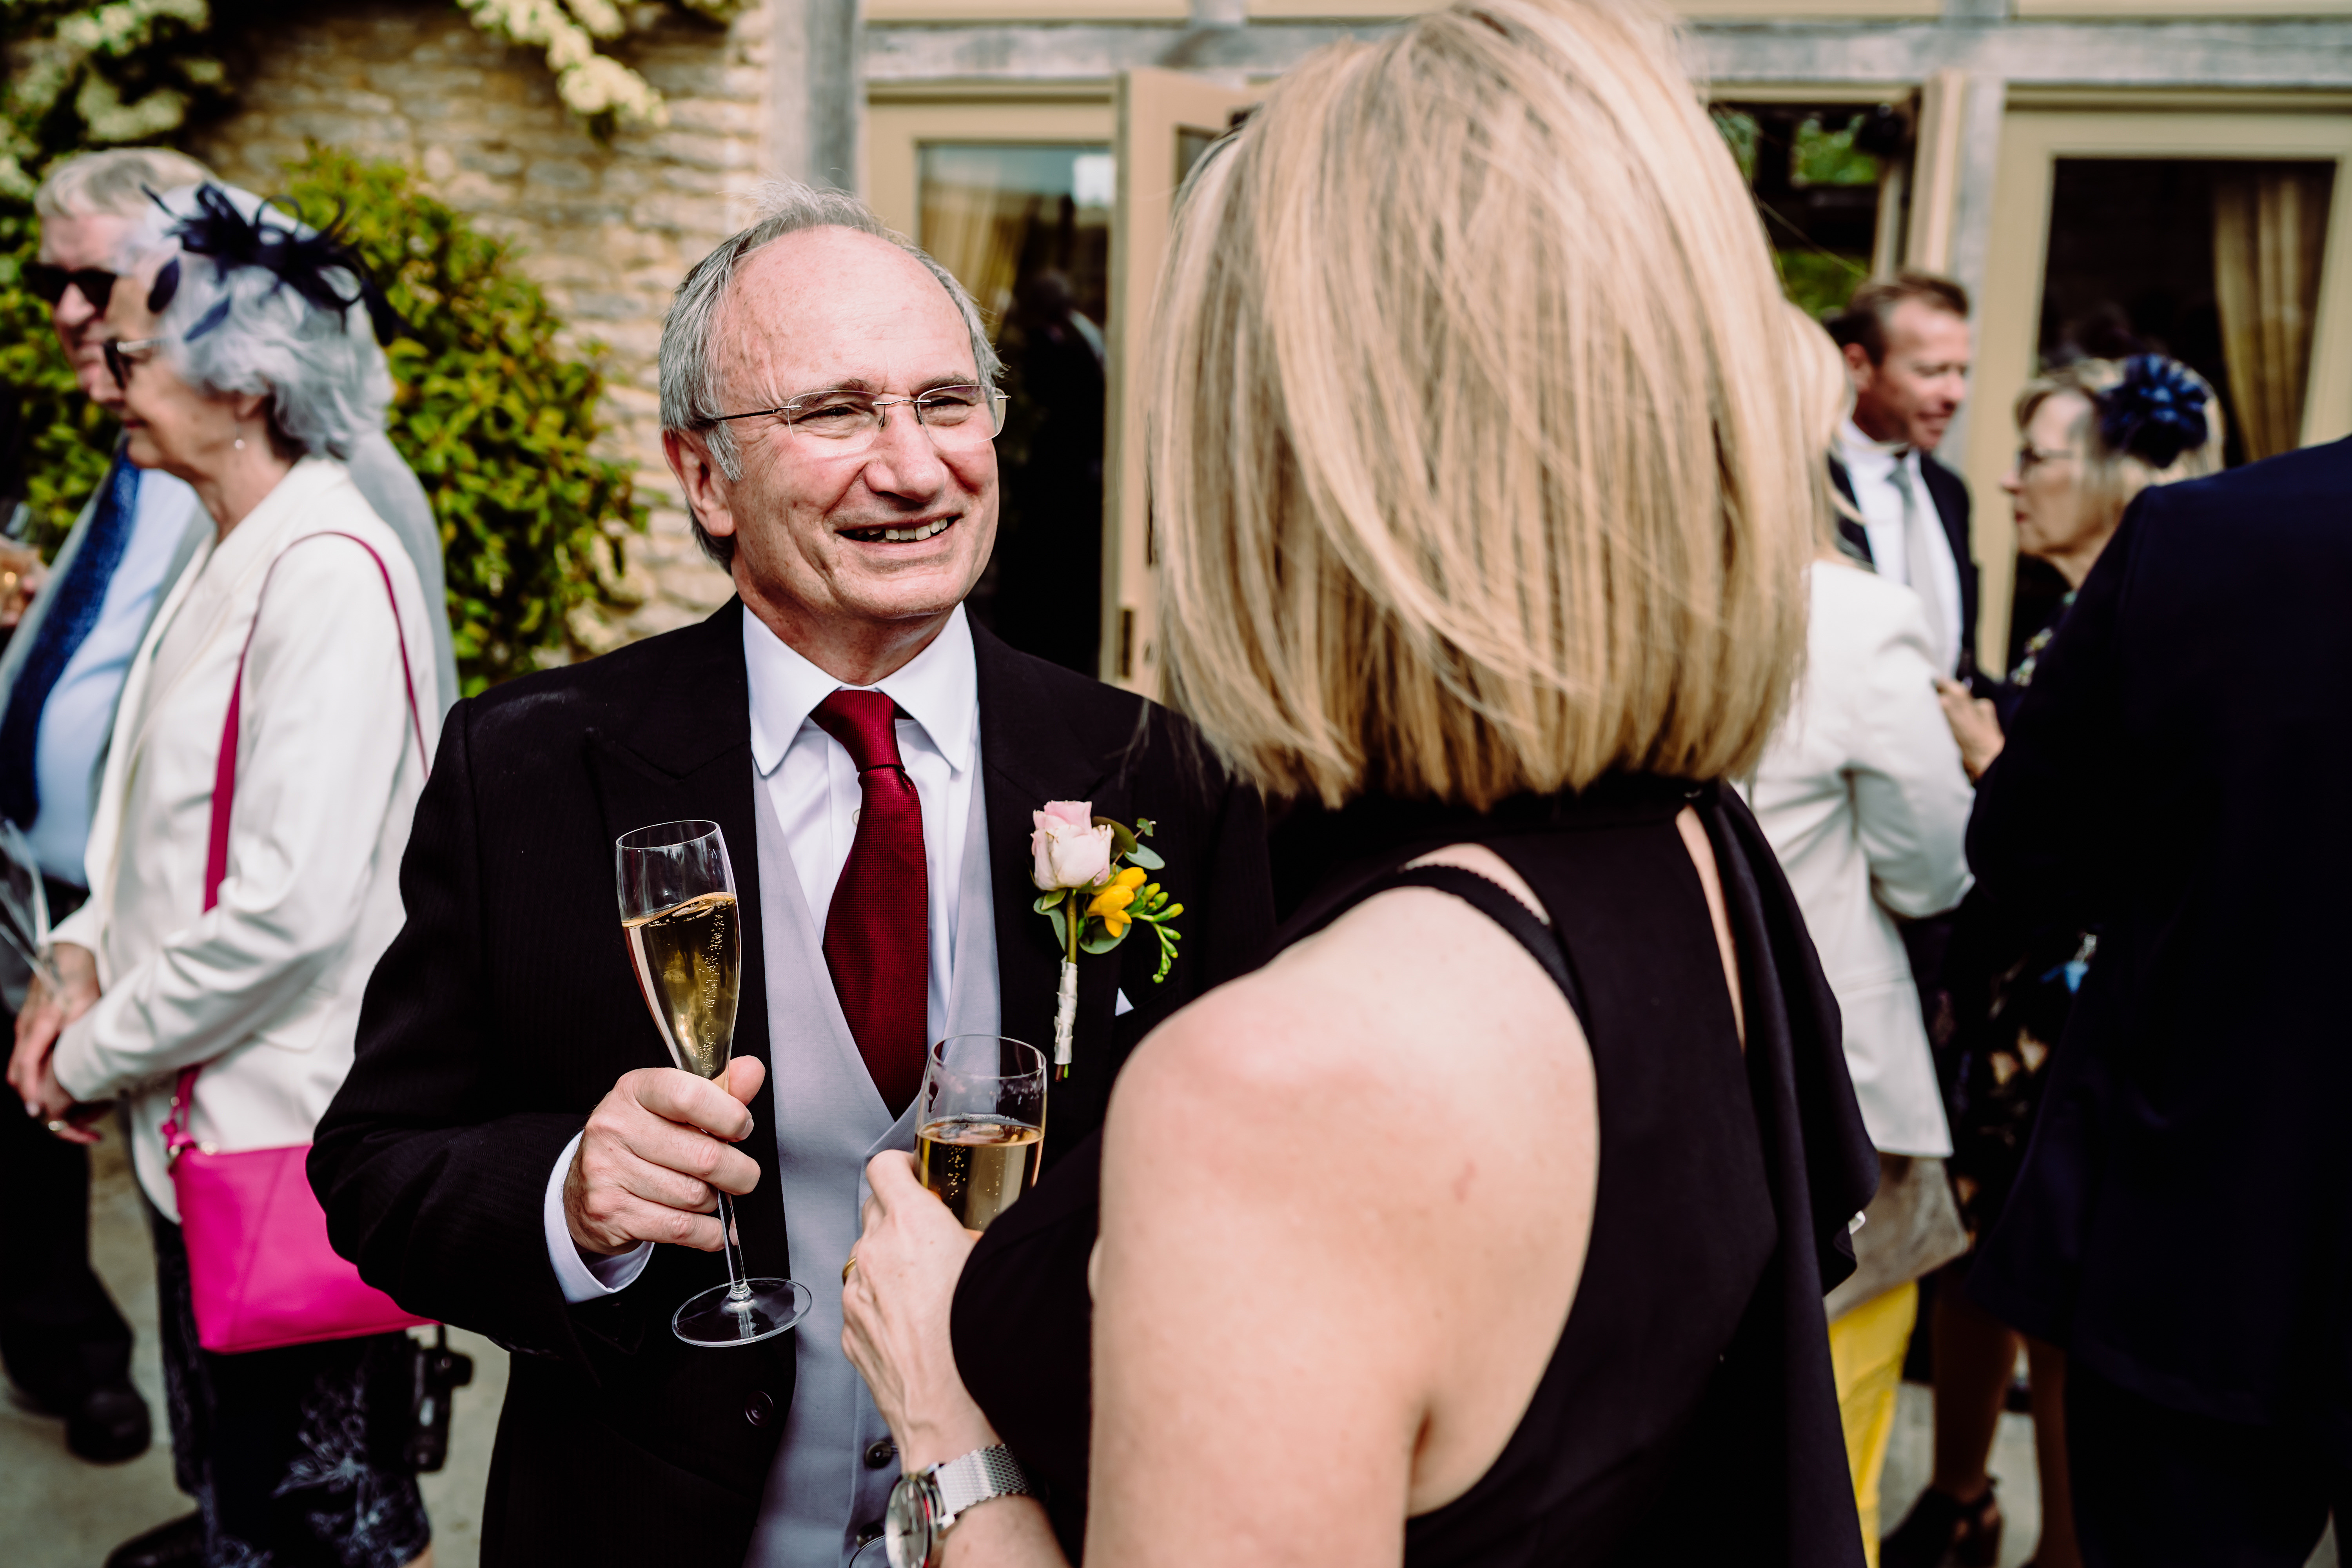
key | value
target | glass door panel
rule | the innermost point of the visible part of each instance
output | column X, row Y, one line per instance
column 1026, row 228
column 1166, row 120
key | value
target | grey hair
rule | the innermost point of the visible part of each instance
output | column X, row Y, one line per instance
column 114, row 182
column 690, row 370
column 323, row 378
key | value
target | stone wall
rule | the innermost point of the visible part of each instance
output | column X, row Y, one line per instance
column 608, row 230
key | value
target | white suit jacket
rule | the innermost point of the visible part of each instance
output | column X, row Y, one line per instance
column 265, row 986
column 1863, row 798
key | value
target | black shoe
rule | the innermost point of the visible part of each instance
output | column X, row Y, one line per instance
column 1941, row 1529
column 179, row 1544
column 109, row 1424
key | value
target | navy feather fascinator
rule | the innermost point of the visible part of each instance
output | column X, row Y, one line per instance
column 301, row 260
column 2155, row 412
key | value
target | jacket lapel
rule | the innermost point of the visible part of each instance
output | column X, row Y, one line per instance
column 1854, row 539
column 684, row 751
column 1029, row 755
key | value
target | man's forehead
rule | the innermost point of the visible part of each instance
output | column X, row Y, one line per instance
column 844, row 306
column 1916, row 323
column 82, row 239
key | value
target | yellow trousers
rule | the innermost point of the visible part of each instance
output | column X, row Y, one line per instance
column 1866, row 1349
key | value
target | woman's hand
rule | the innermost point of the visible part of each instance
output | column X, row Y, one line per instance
column 43, row 1017
column 1974, row 726
column 894, row 1310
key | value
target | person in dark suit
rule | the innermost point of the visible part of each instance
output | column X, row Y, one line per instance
column 2179, row 1225
column 511, row 1141
column 1907, row 348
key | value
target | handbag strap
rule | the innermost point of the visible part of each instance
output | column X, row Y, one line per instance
column 176, row 1135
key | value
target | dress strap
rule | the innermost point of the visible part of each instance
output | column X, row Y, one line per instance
column 1493, row 900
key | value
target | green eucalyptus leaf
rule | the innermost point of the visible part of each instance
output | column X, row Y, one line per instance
column 1097, row 939
column 1146, row 858
column 1049, row 901
column 1122, row 841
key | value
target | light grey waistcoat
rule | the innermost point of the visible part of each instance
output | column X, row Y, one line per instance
column 830, row 1121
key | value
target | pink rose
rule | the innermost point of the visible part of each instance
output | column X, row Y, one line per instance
column 1067, row 848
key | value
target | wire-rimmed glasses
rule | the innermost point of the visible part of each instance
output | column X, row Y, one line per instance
column 965, row 414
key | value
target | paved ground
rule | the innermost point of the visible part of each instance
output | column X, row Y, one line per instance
column 57, row 1512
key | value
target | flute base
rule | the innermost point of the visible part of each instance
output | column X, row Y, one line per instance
column 772, row 1307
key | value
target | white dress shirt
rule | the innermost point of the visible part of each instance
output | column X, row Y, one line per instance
column 1870, row 465
column 79, row 714
column 1863, row 797
column 812, row 786
column 265, row 987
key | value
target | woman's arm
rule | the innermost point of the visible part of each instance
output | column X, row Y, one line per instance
column 325, row 730
column 1345, row 1204
column 894, row 1304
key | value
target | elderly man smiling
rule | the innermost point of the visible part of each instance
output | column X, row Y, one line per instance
column 512, row 1151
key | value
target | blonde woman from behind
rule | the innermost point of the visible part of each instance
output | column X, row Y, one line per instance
column 1863, row 798
column 1488, row 1224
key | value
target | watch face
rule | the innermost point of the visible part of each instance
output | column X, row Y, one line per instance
column 907, row 1524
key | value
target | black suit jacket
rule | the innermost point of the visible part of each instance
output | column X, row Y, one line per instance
column 506, row 1008
column 1950, row 494
column 2183, row 1221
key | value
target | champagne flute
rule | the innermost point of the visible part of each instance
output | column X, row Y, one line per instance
column 686, row 940
column 981, row 1132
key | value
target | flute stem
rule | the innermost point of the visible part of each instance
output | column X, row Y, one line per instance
column 739, row 1292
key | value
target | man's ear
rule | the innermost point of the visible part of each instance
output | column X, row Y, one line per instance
column 700, row 476
column 1858, row 368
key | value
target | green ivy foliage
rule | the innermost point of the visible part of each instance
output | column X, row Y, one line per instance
column 495, row 417
column 498, row 418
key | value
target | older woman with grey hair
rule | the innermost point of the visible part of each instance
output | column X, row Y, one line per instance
column 268, row 756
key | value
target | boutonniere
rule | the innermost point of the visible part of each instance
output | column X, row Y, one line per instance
column 1092, row 899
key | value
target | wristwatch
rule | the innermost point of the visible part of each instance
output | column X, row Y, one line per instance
column 926, row 1501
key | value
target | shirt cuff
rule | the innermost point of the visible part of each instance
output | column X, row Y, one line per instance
column 583, row 1278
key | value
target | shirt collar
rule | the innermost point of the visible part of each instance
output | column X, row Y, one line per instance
column 1867, row 454
column 939, row 688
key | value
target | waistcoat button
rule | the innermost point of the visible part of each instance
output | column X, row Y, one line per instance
column 880, row 1453
column 759, row 1409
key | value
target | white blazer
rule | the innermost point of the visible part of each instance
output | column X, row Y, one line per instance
column 1862, row 797
column 266, row 987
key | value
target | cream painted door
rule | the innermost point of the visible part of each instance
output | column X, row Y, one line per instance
column 2017, row 305
column 1165, row 120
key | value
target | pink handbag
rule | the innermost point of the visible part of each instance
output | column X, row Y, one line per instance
column 259, row 1264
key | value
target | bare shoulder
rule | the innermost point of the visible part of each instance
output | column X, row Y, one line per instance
column 1412, row 1003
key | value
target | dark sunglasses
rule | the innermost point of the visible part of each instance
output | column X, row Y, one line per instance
column 119, row 353
column 49, row 283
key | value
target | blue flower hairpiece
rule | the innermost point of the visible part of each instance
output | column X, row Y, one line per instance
column 300, row 260
column 2155, row 413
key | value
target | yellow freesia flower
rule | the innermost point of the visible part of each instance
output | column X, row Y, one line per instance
column 1110, row 904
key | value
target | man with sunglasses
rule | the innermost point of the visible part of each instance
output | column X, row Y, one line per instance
column 513, row 1141
column 64, row 1342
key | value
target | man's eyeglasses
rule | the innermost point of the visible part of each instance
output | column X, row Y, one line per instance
column 123, row 353
column 49, row 282
column 955, row 415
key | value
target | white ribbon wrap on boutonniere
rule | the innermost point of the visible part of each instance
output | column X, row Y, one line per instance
column 1092, row 899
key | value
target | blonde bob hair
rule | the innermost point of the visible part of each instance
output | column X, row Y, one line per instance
column 1821, row 394
column 1473, row 466
column 2112, row 479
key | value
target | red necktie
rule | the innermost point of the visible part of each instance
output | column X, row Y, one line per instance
column 878, row 942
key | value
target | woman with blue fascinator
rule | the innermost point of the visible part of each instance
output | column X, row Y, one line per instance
column 2092, row 436
column 243, row 863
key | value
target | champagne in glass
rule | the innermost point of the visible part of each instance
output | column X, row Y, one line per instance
column 685, row 937
column 981, row 1132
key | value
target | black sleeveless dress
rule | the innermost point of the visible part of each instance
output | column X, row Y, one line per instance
column 1688, row 1413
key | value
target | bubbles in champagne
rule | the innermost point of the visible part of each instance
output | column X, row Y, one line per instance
column 688, row 959
column 978, row 1164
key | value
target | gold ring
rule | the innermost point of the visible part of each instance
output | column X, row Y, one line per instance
column 845, row 1267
